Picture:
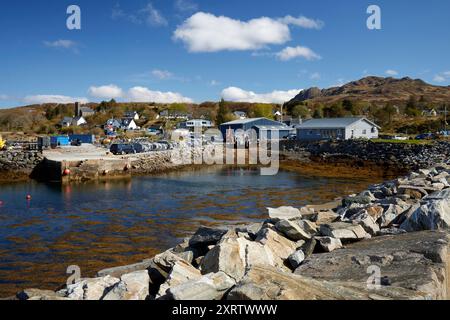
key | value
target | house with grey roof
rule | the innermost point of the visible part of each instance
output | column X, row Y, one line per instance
column 337, row 129
column 264, row 128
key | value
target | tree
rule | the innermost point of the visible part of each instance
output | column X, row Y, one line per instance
column 262, row 111
column 390, row 110
column 223, row 114
column 300, row 111
column 412, row 109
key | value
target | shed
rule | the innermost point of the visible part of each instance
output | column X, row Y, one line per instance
column 337, row 128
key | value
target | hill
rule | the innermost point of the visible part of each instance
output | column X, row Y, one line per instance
column 377, row 91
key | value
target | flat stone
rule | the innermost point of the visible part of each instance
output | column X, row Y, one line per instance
column 269, row 284
column 182, row 272
column 324, row 217
column 344, row 231
column 412, row 261
column 212, row 286
column 284, row 213
column 292, row 230
column 117, row 272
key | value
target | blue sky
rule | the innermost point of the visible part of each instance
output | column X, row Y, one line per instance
column 198, row 50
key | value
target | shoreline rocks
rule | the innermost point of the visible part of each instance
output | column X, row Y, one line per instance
column 383, row 243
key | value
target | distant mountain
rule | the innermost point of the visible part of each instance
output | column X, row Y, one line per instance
column 377, row 90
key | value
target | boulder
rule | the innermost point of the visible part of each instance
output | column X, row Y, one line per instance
column 269, row 284
column 279, row 247
column 344, row 231
column 132, row 286
column 117, row 272
column 234, row 255
column 329, row 244
column 309, row 227
column 292, row 230
column 309, row 247
column 37, row 294
column 296, row 259
column 206, row 236
column 182, row 272
column 323, row 217
column 212, row 286
column 90, row 289
column 432, row 214
column 284, row 213
column 367, row 222
column 413, row 261
column 412, row 191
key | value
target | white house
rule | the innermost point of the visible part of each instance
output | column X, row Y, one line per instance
column 133, row 115
column 72, row 122
column 190, row 124
column 337, row 128
column 128, row 124
column 241, row 115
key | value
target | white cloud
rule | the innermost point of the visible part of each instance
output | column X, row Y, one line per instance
column 442, row 77
column 315, row 76
column 162, row 74
column 41, row 99
column 205, row 32
column 439, row 78
column 142, row 94
column 214, row 83
column 153, row 16
column 240, row 95
column 4, row 97
column 303, row 22
column 185, row 5
column 106, row 92
column 391, row 72
column 290, row 53
column 149, row 14
column 62, row 44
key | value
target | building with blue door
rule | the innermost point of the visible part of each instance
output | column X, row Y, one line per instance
column 263, row 127
column 337, row 129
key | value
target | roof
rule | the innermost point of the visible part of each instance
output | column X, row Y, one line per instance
column 67, row 119
column 328, row 123
column 279, row 127
column 242, row 121
column 86, row 109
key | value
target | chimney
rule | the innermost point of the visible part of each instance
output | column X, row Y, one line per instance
column 77, row 109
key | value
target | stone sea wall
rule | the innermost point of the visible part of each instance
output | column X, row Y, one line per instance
column 23, row 161
column 403, row 155
column 388, row 242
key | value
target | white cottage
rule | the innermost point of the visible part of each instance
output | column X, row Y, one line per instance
column 337, row 128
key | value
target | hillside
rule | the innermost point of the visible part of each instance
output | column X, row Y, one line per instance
column 377, row 90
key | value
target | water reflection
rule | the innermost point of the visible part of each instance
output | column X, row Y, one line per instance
column 104, row 224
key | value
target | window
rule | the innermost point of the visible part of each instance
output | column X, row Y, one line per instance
column 364, row 131
column 374, row 129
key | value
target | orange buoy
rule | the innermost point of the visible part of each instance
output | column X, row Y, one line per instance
column 66, row 172
column 28, row 197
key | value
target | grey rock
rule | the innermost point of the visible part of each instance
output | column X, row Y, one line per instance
column 284, row 213
column 296, row 258
column 292, row 230
column 212, row 286
column 329, row 244
column 91, row 289
column 132, row 286
column 206, row 236
column 344, row 231
column 181, row 272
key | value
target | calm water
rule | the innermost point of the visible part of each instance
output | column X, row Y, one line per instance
column 99, row 225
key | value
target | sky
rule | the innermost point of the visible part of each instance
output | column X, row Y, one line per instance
column 201, row 50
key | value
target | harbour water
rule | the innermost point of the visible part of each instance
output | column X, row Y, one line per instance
column 98, row 225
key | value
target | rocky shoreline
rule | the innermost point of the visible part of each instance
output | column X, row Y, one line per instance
column 388, row 242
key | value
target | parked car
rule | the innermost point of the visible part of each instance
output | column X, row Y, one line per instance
column 122, row 149
column 76, row 143
column 425, row 136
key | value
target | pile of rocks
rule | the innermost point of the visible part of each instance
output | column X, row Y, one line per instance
column 315, row 252
column 403, row 155
column 19, row 160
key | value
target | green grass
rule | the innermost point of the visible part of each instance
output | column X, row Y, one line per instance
column 402, row 142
